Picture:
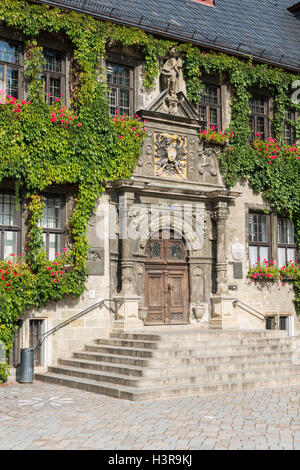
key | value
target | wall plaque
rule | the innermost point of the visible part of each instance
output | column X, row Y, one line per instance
column 238, row 251
column 95, row 262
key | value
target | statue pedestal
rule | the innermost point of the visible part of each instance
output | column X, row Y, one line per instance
column 223, row 316
column 127, row 313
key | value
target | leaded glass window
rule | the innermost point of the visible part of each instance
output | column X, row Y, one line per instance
column 286, row 241
column 259, row 237
column 209, row 108
column 10, row 225
column 120, row 88
column 10, row 69
column 53, row 224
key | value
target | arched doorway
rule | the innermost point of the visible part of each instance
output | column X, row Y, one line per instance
column 166, row 279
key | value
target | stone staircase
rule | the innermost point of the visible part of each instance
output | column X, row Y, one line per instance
column 162, row 363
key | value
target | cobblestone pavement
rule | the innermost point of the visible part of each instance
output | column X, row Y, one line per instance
column 43, row 416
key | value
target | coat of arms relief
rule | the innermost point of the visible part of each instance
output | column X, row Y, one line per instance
column 170, row 155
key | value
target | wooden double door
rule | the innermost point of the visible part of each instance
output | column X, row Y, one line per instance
column 166, row 280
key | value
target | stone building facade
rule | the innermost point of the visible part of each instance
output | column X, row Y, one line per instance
column 172, row 244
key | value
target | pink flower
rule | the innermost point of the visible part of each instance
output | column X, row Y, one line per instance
column 56, row 99
column 79, row 125
column 64, row 249
column 56, row 253
column 120, row 136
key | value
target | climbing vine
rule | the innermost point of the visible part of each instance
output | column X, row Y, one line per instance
column 82, row 146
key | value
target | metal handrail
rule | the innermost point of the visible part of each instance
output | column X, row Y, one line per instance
column 45, row 335
column 262, row 317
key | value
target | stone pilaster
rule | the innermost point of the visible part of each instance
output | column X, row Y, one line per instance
column 127, row 314
column 222, row 313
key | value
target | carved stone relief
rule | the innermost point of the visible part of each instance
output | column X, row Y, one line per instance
column 171, row 155
column 95, row 262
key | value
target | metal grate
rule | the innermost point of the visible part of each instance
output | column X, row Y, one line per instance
column 35, row 331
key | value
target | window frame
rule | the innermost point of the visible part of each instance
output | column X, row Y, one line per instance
column 286, row 246
column 11, row 228
column 123, row 63
column 15, row 66
column 59, row 231
column 208, row 105
column 259, row 244
column 291, row 128
column 49, row 74
column 255, row 115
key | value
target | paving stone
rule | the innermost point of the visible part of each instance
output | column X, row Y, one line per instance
column 89, row 421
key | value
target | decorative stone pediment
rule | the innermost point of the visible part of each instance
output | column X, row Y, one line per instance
column 177, row 105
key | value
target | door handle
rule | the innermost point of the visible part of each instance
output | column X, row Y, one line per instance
column 169, row 288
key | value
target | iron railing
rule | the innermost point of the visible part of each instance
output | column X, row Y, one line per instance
column 45, row 335
column 256, row 313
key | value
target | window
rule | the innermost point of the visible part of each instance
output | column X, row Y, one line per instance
column 53, row 223
column 10, row 226
column 259, row 120
column 210, row 107
column 286, row 241
column 289, row 128
column 10, row 68
column 259, row 237
column 120, row 88
column 54, row 75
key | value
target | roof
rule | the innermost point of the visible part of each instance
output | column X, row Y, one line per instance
column 264, row 29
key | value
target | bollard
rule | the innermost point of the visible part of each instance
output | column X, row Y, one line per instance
column 27, row 365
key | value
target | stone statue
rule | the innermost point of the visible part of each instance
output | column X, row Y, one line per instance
column 171, row 74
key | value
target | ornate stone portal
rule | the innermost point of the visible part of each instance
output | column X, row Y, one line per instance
column 174, row 188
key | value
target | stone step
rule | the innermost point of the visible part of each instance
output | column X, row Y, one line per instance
column 183, row 352
column 174, row 335
column 194, row 342
column 150, row 371
column 130, row 393
column 170, row 380
column 180, row 361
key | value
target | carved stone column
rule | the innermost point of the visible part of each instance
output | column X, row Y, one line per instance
column 220, row 215
column 127, row 314
column 222, row 316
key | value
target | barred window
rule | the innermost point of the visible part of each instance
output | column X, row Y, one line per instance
column 259, row 119
column 209, row 107
column 10, row 225
column 286, row 241
column 259, row 237
column 10, row 68
column 54, row 75
column 120, row 88
column 53, row 223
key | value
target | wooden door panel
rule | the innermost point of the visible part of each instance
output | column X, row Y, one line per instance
column 155, row 296
column 178, row 296
column 166, row 281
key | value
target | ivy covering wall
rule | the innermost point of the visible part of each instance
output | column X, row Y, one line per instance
column 82, row 146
